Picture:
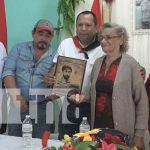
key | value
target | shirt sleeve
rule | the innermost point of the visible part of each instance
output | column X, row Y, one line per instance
column 10, row 62
column 140, row 100
column 60, row 52
column 2, row 57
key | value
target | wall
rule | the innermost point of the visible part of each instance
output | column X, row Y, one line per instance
column 21, row 15
column 123, row 14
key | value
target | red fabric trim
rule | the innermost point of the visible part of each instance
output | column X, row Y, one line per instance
column 77, row 44
column 147, row 85
column 3, row 28
column 112, row 71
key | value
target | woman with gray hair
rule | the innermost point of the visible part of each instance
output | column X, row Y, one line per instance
column 118, row 96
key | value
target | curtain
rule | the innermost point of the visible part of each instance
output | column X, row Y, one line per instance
column 3, row 28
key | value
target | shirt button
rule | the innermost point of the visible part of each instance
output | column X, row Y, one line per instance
column 116, row 123
column 114, row 98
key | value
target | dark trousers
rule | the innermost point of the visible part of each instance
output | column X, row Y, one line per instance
column 72, row 127
column 69, row 129
column 39, row 124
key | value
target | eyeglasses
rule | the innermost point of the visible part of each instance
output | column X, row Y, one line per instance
column 108, row 37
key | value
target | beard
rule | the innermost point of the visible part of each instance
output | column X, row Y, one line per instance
column 66, row 77
column 42, row 45
column 86, row 40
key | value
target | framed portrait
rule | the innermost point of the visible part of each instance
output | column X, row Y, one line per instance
column 141, row 16
column 69, row 73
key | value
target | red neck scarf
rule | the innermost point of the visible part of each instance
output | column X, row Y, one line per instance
column 91, row 46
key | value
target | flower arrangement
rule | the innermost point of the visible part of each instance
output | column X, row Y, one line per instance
column 86, row 141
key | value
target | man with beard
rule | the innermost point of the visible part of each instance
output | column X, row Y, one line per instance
column 24, row 69
column 64, row 81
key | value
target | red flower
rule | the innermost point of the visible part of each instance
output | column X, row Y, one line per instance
column 107, row 138
column 113, row 139
column 93, row 138
column 45, row 138
column 65, row 147
column 106, row 146
column 116, row 139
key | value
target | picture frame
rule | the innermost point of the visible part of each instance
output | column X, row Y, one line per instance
column 141, row 16
column 69, row 74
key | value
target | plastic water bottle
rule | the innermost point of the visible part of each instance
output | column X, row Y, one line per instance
column 84, row 126
column 27, row 132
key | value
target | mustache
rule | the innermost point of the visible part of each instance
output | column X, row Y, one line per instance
column 66, row 76
column 42, row 42
column 42, row 45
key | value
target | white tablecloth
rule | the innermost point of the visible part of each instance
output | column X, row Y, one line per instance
column 16, row 143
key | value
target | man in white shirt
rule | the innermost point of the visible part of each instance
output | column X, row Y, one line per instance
column 85, row 46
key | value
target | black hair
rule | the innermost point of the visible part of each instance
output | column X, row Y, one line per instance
column 66, row 67
column 87, row 13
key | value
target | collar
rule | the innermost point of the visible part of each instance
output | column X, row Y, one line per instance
column 95, row 43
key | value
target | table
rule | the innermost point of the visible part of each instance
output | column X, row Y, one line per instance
column 16, row 143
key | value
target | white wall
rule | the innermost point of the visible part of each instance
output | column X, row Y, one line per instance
column 123, row 13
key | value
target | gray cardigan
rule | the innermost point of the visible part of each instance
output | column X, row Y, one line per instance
column 129, row 98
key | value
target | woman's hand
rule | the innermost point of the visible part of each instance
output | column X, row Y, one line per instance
column 77, row 98
column 138, row 142
column 53, row 97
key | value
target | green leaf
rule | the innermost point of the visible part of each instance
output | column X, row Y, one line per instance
column 86, row 145
column 67, row 9
column 122, row 147
column 53, row 148
column 60, row 148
